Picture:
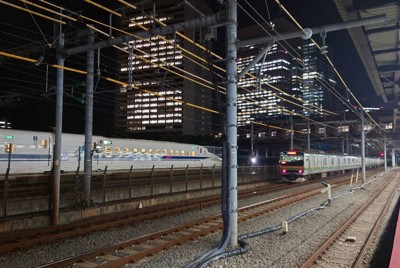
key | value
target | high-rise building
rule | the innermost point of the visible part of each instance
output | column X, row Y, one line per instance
column 168, row 72
column 318, row 81
column 272, row 80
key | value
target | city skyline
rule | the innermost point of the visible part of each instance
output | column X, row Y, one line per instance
column 75, row 92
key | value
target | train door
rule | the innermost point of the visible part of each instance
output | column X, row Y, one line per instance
column 307, row 163
column 312, row 164
column 43, row 147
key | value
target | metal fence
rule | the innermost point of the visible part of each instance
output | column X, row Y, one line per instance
column 25, row 195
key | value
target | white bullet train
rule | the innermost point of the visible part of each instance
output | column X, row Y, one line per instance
column 32, row 152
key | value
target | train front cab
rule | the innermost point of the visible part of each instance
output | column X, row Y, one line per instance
column 292, row 166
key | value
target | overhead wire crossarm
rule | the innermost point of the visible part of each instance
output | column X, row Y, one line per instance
column 316, row 30
column 206, row 21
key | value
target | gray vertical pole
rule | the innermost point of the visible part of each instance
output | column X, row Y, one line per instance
column 393, row 158
column 342, row 145
column 384, row 153
column 291, row 132
column 252, row 141
column 58, row 134
column 88, row 121
column 363, row 146
column 308, row 136
column 231, row 115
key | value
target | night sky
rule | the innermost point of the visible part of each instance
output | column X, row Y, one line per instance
column 34, row 108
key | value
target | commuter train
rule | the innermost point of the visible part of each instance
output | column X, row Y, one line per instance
column 299, row 166
column 32, row 152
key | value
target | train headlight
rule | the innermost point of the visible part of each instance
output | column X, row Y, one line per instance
column 253, row 160
column 300, row 171
column 283, row 170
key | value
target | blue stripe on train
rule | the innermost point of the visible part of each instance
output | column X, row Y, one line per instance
column 36, row 157
column 4, row 157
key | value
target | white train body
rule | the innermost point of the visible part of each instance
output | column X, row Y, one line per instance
column 32, row 152
column 295, row 165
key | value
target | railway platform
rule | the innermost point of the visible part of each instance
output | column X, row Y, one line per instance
column 395, row 257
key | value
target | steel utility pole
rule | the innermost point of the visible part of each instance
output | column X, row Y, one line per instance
column 88, row 120
column 363, row 147
column 291, row 132
column 231, row 116
column 384, row 153
column 58, row 132
column 308, row 136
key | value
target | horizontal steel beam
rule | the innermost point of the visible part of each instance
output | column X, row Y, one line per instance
column 385, row 51
column 383, row 29
column 216, row 19
column 317, row 30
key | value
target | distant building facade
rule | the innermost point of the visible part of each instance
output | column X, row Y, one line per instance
column 318, row 81
column 272, row 81
column 168, row 78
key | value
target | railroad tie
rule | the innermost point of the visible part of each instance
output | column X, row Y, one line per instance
column 86, row 264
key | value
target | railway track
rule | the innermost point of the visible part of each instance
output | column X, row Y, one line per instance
column 347, row 247
column 29, row 238
column 135, row 249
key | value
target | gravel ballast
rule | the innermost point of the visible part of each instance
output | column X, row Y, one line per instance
column 269, row 250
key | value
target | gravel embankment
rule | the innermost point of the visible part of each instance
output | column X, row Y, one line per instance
column 270, row 250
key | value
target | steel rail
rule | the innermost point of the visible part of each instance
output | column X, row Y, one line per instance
column 138, row 248
column 334, row 237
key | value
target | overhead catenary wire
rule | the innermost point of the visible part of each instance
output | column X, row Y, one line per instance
column 132, row 35
column 333, row 92
column 108, row 79
column 248, row 74
column 331, row 63
column 323, row 82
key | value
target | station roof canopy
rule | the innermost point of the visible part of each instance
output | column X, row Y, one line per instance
column 378, row 44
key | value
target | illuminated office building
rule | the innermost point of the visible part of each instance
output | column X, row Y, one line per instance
column 318, row 81
column 164, row 80
column 264, row 93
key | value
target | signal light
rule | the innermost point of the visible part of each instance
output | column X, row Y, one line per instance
column 283, row 170
column 9, row 148
column 300, row 171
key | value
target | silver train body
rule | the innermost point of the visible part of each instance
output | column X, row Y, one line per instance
column 298, row 166
column 32, row 152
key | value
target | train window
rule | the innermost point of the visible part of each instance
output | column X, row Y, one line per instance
column 165, row 151
column 150, row 151
column 324, row 161
column 177, row 152
column 193, row 153
column 182, row 152
column 171, row 152
column 108, row 149
column 348, row 161
column 135, row 151
column 126, row 150
column 188, row 153
column 143, row 151
column 158, row 151
column 43, row 143
column 117, row 150
column 201, row 151
column 332, row 161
